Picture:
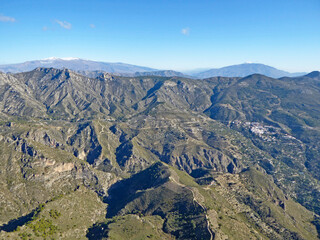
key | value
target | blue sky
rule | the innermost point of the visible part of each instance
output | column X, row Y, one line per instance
column 164, row 34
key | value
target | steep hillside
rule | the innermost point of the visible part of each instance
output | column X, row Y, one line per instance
column 158, row 157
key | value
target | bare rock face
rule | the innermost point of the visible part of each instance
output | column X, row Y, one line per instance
column 85, row 143
column 36, row 173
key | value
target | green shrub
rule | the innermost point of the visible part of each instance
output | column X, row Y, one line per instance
column 25, row 236
column 54, row 214
column 43, row 228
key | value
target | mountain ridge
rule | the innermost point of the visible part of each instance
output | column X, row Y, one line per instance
column 157, row 156
column 94, row 68
column 75, row 64
column 245, row 69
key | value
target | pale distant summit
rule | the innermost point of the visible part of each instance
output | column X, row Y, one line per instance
column 246, row 69
column 65, row 59
column 75, row 64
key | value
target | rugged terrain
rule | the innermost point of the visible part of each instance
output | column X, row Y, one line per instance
column 158, row 157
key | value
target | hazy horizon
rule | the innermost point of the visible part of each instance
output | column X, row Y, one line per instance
column 191, row 70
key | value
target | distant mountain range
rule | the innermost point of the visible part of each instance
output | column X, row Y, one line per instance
column 160, row 73
column 94, row 69
column 245, row 69
column 75, row 64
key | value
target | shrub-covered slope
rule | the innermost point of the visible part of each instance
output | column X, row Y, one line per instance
column 176, row 157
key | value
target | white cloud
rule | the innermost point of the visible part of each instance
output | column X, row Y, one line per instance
column 185, row 31
column 6, row 18
column 45, row 28
column 92, row 25
column 64, row 24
